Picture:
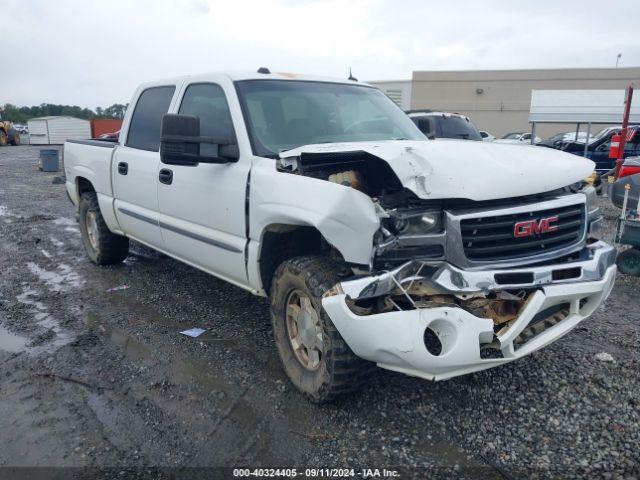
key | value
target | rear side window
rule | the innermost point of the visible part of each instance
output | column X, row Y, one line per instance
column 207, row 101
column 453, row 126
column 144, row 130
column 425, row 124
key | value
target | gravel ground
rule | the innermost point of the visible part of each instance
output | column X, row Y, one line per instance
column 103, row 380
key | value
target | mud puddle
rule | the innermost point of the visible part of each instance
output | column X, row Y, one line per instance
column 54, row 336
column 10, row 342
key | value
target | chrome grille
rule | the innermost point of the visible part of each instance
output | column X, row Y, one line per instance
column 492, row 238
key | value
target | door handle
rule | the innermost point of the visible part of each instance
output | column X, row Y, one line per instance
column 166, row 176
column 123, row 168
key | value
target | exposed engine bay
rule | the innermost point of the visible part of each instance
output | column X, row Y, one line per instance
column 411, row 228
column 405, row 219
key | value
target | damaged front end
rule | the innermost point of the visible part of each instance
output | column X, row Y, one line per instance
column 466, row 270
column 437, row 321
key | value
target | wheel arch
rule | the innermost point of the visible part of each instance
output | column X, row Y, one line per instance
column 83, row 185
column 280, row 242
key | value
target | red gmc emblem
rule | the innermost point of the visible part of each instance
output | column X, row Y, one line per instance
column 535, row 227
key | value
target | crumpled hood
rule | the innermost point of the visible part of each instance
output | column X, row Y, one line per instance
column 467, row 169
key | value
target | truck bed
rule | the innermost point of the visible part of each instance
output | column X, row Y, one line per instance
column 90, row 160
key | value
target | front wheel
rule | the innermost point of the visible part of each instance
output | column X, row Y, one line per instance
column 14, row 137
column 314, row 355
column 3, row 139
column 102, row 246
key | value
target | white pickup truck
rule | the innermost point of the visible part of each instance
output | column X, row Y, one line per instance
column 375, row 245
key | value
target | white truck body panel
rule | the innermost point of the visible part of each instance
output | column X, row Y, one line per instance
column 464, row 169
column 215, row 217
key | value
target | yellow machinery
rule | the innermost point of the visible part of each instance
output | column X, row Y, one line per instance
column 8, row 134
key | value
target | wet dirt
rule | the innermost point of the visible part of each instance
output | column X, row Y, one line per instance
column 99, row 379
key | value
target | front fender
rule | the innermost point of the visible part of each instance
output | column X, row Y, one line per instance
column 345, row 217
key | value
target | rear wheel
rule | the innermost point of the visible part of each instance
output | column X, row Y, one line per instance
column 629, row 261
column 102, row 246
column 3, row 139
column 14, row 137
column 314, row 356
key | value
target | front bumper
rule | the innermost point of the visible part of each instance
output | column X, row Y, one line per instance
column 395, row 340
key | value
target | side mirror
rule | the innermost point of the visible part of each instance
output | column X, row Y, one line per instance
column 181, row 143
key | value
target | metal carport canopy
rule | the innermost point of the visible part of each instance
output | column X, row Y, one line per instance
column 581, row 106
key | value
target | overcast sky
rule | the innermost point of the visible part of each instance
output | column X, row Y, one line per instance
column 91, row 53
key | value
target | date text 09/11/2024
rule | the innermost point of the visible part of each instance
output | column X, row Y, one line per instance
column 316, row 472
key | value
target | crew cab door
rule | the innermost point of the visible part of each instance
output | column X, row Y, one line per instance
column 135, row 167
column 202, row 207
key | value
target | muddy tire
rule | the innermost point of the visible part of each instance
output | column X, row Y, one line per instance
column 14, row 137
column 629, row 261
column 102, row 246
column 314, row 356
column 3, row 139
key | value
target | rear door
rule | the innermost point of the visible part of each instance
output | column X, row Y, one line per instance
column 202, row 209
column 135, row 167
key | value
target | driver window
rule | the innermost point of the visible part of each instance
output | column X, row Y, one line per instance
column 208, row 102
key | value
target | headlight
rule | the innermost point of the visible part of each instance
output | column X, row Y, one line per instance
column 594, row 219
column 592, row 199
column 417, row 223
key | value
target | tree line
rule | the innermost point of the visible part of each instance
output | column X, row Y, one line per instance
column 22, row 114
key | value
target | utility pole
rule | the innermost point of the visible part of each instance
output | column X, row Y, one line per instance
column 625, row 124
column 618, row 59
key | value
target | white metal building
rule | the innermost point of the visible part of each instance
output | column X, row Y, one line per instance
column 498, row 100
column 55, row 130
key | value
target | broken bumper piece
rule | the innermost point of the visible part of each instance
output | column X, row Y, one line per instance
column 402, row 340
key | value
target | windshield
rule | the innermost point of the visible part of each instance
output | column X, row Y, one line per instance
column 600, row 134
column 282, row 115
column 511, row 136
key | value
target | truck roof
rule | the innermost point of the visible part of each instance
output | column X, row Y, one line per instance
column 248, row 75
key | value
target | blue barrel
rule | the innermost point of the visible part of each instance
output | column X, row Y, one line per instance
column 50, row 160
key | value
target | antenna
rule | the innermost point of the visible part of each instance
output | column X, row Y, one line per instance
column 351, row 77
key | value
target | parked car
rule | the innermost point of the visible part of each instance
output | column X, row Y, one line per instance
column 560, row 139
column 629, row 175
column 374, row 245
column 22, row 129
column 445, row 125
column 518, row 138
column 598, row 148
column 486, row 136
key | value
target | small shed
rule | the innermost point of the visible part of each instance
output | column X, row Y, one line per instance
column 56, row 130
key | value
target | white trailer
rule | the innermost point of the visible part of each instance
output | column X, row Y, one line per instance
column 56, row 130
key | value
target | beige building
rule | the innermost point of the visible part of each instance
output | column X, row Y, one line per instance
column 498, row 100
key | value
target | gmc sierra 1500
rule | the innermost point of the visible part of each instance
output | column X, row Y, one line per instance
column 374, row 244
